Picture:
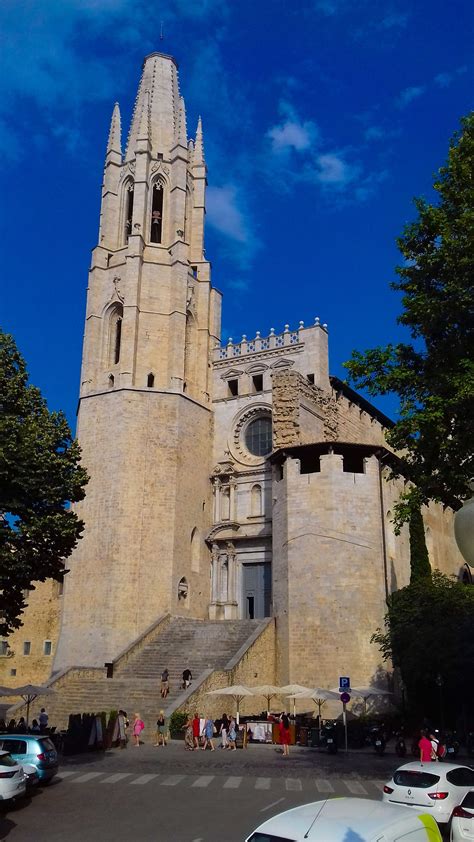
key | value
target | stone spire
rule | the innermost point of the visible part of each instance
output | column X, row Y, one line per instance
column 144, row 125
column 198, row 159
column 159, row 84
column 114, row 143
column 182, row 131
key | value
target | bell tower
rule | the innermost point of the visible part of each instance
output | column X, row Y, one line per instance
column 144, row 418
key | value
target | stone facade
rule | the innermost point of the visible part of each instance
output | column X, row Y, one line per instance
column 227, row 482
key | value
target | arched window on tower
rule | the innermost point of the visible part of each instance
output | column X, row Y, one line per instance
column 156, row 224
column 150, row 381
column 256, row 501
column 195, row 550
column 115, row 333
column 128, row 215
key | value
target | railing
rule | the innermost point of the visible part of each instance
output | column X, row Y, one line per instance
column 262, row 343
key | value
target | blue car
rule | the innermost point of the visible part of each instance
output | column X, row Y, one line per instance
column 34, row 749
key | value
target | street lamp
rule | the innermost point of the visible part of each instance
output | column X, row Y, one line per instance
column 464, row 528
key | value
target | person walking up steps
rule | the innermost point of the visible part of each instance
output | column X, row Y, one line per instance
column 164, row 686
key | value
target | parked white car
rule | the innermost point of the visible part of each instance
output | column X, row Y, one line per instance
column 12, row 777
column 434, row 787
column 462, row 823
column 342, row 819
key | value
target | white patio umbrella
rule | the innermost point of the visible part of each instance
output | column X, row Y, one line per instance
column 268, row 691
column 237, row 691
column 28, row 693
column 318, row 695
column 365, row 693
column 290, row 690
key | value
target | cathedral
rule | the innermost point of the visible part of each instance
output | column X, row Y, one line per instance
column 229, row 483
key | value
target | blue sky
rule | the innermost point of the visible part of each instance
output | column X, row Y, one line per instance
column 322, row 119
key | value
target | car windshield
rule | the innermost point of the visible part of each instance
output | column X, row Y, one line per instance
column 7, row 760
column 420, row 780
column 469, row 801
column 267, row 837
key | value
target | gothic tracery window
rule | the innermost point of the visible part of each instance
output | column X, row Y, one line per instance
column 128, row 190
column 115, row 333
column 156, row 223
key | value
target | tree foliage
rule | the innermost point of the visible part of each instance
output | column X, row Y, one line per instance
column 434, row 375
column 429, row 632
column 39, row 475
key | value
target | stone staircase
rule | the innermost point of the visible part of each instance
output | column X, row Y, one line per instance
column 200, row 645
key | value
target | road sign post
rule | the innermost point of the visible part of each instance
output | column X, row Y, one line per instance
column 345, row 698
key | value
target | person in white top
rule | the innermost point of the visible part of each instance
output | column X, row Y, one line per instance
column 43, row 719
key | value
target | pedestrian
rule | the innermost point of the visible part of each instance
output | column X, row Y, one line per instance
column 43, row 719
column 426, row 749
column 285, row 734
column 161, row 729
column 232, row 734
column 196, row 730
column 124, row 725
column 188, row 735
column 164, row 687
column 209, row 730
column 435, row 747
column 35, row 729
column 224, row 730
column 137, row 728
column 21, row 726
column 187, row 678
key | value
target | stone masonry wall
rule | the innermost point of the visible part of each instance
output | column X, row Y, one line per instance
column 257, row 666
column 40, row 624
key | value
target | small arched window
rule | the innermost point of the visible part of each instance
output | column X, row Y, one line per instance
column 150, row 381
column 128, row 215
column 195, row 550
column 256, row 501
column 156, row 223
column 183, row 588
column 111, row 381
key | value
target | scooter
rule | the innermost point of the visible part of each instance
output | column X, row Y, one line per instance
column 452, row 745
column 330, row 737
column 400, row 745
column 378, row 740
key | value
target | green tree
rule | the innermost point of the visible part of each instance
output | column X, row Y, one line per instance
column 39, row 475
column 419, row 559
column 434, row 375
column 429, row 632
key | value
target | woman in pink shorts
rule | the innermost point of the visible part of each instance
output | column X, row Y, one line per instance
column 137, row 728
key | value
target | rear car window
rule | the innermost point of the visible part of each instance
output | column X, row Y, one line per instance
column 7, row 760
column 415, row 780
column 14, row 746
column 266, row 837
column 469, row 801
column 461, row 776
column 47, row 744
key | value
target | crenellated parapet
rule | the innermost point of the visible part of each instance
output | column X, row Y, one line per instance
column 264, row 343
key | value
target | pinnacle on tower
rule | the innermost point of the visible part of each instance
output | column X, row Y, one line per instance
column 199, row 146
column 114, row 143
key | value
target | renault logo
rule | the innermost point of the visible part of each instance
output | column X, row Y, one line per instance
column 409, row 792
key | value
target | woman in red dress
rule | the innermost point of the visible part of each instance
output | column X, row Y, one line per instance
column 285, row 734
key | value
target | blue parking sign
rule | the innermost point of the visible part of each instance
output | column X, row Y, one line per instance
column 344, row 683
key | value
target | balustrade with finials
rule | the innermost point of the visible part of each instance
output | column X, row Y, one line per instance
column 262, row 343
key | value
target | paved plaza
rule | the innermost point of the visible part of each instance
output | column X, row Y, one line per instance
column 169, row 795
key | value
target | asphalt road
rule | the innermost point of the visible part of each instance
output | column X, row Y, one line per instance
column 169, row 795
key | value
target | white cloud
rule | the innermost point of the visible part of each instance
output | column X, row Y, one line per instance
column 226, row 213
column 409, row 94
column 444, row 80
column 293, row 133
column 374, row 133
column 332, row 170
column 290, row 135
